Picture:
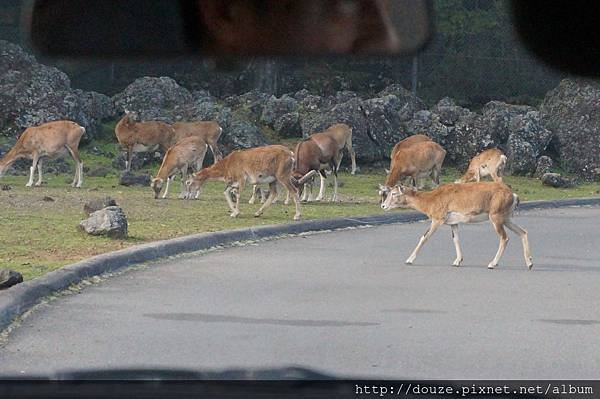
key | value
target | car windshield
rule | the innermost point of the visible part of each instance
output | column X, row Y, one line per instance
column 261, row 213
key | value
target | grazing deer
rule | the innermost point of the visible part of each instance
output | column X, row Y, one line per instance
column 463, row 203
column 407, row 142
column 50, row 140
column 418, row 160
column 322, row 150
column 136, row 136
column 269, row 164
column 188, row 152
column 209, row 131
column 490, row 162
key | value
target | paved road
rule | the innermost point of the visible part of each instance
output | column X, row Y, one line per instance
column 343, row 303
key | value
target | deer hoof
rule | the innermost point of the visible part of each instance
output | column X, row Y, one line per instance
column 457, row 262
column 234, row 214
column 491, row 266
column 296, row 217
column 530, row 265
column 257, row 214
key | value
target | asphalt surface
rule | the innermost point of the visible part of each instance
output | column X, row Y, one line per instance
column 344, row 304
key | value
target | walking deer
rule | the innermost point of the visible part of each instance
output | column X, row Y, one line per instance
column 49, row 140
column 262, row 165
column 453, row 204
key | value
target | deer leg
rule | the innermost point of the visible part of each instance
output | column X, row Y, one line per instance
column 253, row 198
column 167, row 186
column 294, row 193
column 270, row 198
column 39, row 169
column 434, row 226
column 184, row 177
column 128, row 160
column 78, row 181
column 524, row 239
column 335, row 187
column 32, row 170
column 287, row 198
column 459, row 255
column 214, row 148
column 498, row 226
column 496, row 178
column 352, row 154
column 322, row 188
column 234, row 210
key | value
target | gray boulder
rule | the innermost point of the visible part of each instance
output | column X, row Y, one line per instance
column 8, row 278
column 288, row 125
column 161, row 99
column 32, row 94
column 238, row 133
column 352, row 114
column 110, row 222
column 383, row 121
column 527, row 139
column 556, row 180
column 426, row 122
column 498, row 115
column 448, row 112
column 409, row 103
column 98, row 204
column 572, row 112
column 275, row 108
column 130, row 179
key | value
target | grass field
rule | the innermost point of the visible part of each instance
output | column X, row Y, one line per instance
column 38, row 226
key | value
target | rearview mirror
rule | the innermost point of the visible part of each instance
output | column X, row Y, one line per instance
column 156, row 28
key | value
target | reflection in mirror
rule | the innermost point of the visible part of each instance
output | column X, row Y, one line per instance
column 127, row 28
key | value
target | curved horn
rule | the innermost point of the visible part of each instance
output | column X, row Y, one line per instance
column 307, row 176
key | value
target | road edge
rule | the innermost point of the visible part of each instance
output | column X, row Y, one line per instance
column 18, row 299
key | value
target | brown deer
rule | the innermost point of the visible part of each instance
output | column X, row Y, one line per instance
column 320, row 151
column 490, row 162
column 136, row 136
column 452, row 204
column 49, row 140
column 262, row 165
column 188, row 152
column 419, row 160
column 407, row 142
column 209, row 131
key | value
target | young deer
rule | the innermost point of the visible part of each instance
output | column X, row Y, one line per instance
column 490, row 162
column 209, row 131
column 50, row 140
column 463, row 203
column 188, row 152
column 136, row 136
column 418, row 160
column 269, row 164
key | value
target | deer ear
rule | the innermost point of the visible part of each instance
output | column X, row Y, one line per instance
column 387, row 171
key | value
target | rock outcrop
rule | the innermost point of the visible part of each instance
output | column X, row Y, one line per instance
column 571, row 111
column 32, row 93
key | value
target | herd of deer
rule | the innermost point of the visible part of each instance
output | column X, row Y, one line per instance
column 185, row 144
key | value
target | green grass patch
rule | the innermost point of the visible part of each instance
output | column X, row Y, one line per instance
column 38, row 236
